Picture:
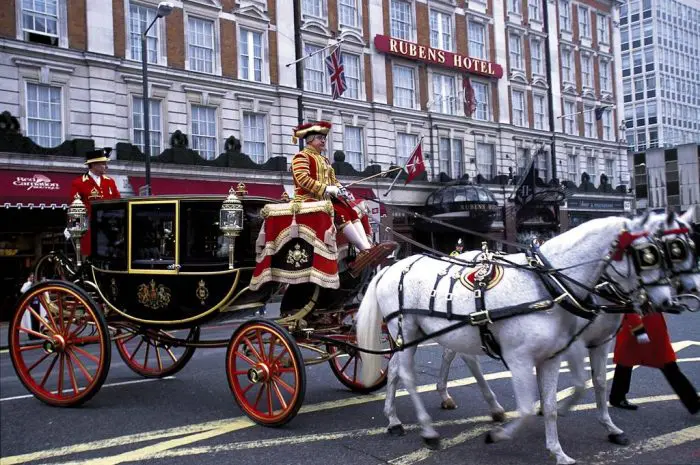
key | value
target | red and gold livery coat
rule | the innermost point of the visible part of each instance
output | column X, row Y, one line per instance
column 657, row 353
column 88, row 190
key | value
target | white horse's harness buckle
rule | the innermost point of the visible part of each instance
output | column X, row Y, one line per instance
column 477, row 293
column 480, row 318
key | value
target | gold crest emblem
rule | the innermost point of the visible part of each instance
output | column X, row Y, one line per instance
column 153, row 296
column 113, row 287
column 95, row 194
column 202, row 292
column 297, row 256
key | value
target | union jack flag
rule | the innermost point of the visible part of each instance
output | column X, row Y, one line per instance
column 336, row 71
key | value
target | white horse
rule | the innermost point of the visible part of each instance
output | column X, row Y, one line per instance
column 526, row 341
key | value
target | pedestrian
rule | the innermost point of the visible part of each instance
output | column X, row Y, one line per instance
column 459, row 248
column 28, row 320
column 645, row 341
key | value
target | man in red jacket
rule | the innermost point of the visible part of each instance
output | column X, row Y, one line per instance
column 645, row 341
column 94, row 185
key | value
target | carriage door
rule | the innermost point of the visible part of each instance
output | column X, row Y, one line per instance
column 153, row 234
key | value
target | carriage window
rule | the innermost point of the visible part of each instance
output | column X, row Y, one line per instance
column 109, row 233
column 472, row 196
column 153, row 235
column 202, row 240
column 448, row 196
column 484, row 196
column 460, row 195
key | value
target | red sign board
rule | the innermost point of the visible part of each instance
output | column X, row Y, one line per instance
column 35, row 190
column 434, row 56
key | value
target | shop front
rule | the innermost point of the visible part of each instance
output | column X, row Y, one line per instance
column 578, row 210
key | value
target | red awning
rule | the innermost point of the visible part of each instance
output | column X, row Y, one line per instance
column 35, row 189
column 172, row 186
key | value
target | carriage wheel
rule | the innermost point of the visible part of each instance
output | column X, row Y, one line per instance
column 347, row 365
column 59, row 344
column 150, row 352
column 54, row 265
column 265, row 372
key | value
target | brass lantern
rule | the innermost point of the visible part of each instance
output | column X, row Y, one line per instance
column 231, row 221
column 77, row 222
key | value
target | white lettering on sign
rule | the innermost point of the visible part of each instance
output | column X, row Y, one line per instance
column 36, row 182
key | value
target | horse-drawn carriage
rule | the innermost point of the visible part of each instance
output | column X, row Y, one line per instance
column 161, row 267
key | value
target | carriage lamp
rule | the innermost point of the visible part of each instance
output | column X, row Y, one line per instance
column 231, row 221
column 77, row 223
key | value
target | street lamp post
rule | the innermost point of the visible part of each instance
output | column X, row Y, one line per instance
column 164, row 9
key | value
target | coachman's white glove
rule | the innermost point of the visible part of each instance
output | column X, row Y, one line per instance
column 643, row 339
column 332, row 190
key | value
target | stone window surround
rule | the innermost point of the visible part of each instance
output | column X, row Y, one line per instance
column 160, row 25
column 433, row 104
column 196, row 95
column 207, row 14
column 62, row 25
column 255, row 26
column 523, row 89
column 158, row 89
column 250, row 104
column 414, row 22
column 416, row 80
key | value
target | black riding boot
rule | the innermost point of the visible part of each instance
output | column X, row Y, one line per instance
column 620, row 387
column 682, row 387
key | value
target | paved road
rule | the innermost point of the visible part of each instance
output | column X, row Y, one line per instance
column 192, row 418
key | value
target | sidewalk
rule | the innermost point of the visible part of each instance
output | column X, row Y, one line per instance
column 4, row 325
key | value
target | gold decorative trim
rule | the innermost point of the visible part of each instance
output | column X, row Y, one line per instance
column 177, row 236
column 202, row 292
column 482, row 270
column 295, row 277
column 327, row 251
column 297, row 256
column 153, row 296
column 296, row 208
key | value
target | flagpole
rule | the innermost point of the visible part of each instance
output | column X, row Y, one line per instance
column 391, row 186
column 315, row 53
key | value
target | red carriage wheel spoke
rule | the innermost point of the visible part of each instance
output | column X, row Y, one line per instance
column 259, row 396
column 287, row 370
column 145, row 357
column 270, row 409
column 85, row 340
column 71, row 315
column 279, row 395
column 286, row 386
column 84, row 370
column 271, row 352
column 261, row 344
column 249, row 344
column 73, row 382
column 60, row 314
column 87, row 354
column 245, row 358
column 47, row 305
column 133, row 354
column 173, row 357
column 158, row 359
column 48, row 371
column 345, row 367
column 31, row 347
column 34, row 333
column 35, row 364
column 250, row 386
column 37, row 316
column 60, row 373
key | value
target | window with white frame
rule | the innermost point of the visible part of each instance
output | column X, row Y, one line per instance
column 312, row 8
column 44, row 115
column 604, row 75
column 251, row 55
column 572, row 168
column 204, row 131
column 139, row 19
column 404, row 86
column 486, row 160
column 40, row 17
column 444, row 94
column 445, row 155
column 539, row 103
column 542, row 164
column 519, row 112
column 603, row 29
column 477, row 40
column 570, row 118
column 349, row 13
column 610, row 170
column 482, row 96
column 607, row 125
column 441, row 30
column 401, row 20
column 353, row 145
column 200, row 44
column 155, row 125
column 587, row 70
column 514, row 6
column 515, row 47
column 536, row 55
column 591, row 166
column 589, row 129
column 567, row 65
column 522, row 160
column 255, row 136
column 565, row 15
column 584, row 22
column 314, row 71
column 534, row 11
column 352, row 75
column 405, row 143
column 457, row 158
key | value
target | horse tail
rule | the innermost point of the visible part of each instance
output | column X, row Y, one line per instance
column 368, row 329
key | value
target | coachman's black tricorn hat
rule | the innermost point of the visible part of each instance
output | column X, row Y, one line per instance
column 97, row 156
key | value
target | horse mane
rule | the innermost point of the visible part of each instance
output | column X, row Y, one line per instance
column 572, row 238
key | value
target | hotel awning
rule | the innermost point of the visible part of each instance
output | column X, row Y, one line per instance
column 173, row 186
column 33, row 189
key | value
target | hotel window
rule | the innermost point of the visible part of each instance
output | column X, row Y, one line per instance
column 352, row 75
column 516, row 52
column 254, row 136
column 477, row 40
column 514, row 6
column 444, row 94
column 566, row 66
column 204, row 131
column 589, row 129
column 565, row 15
column 485, row 160
column 536, row 55
column 570, row 118
column 348, row 13
column 251, row 49
column 44, row 115
column 604, row 75
column 401, row 20
column 314, row 71
column 607, row 125
column 353, row 147
column 534, row 12
column 155, row 129
column 572, row 168
column 139, row 19
column 591, row 167
column 587, row 70
column 445, row 155
column 405, row 143
column 522, row 160
column 482, row 97
column 457, row 158
column 610, row 170
column 519, row 112
column 312, row 8
column 441, row 30
column 584, row 22
column 40, row 21
column 603, row 31
column 200, row 45
column 539, row 103
column 404, row 86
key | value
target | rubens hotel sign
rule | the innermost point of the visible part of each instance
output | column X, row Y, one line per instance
column 398, row 47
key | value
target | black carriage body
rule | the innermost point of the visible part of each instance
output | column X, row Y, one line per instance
column 163, row 261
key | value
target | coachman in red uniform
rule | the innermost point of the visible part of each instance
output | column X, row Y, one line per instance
column 94, row 185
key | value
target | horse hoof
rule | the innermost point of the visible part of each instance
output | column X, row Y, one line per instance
column 489, row 438
column 498, row 417
column 448, row 404
column 540, row 413
column 432, row 443
column 619, row 439
column 396, row 430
